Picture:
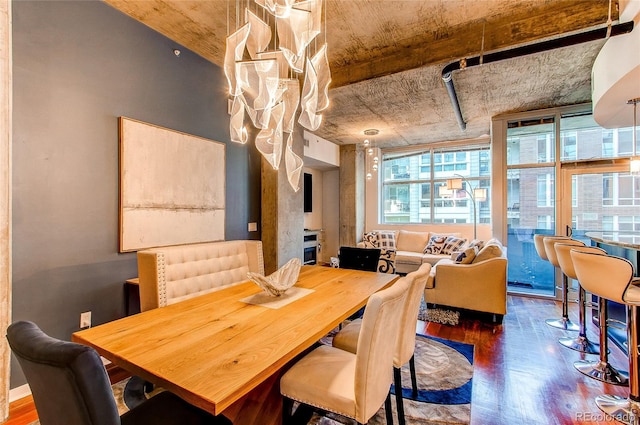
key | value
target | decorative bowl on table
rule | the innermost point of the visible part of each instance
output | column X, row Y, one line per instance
column 279, row 281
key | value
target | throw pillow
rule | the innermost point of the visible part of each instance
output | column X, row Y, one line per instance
column 452, row 244
column 370, row 240
column 477, row 243
column 387, row 240
column 466, row 256
column 435, row 245
column 387, row 261
column 490, row 250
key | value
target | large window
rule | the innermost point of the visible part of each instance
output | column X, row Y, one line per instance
column 543, row 150
column 414, row 185
column 620, row 189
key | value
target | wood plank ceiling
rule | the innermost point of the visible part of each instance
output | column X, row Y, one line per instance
column 387, row 58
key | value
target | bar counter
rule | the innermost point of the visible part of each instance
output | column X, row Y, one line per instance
column 625, row 245
column 627, row 240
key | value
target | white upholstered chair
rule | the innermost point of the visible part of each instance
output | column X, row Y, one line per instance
column 347, row 338
column 352, row 385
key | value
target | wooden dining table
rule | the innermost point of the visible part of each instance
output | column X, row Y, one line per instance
column 216, row 349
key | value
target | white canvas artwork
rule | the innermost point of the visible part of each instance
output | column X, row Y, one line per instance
column 172, row 187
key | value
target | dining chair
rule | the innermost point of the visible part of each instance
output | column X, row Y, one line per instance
column 70, row 386
column 613, row 278
column 356, row 258
column 352, row 257
column 347, row 338
column 355, row 385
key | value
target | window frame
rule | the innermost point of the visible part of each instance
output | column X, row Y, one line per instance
column 462, row 161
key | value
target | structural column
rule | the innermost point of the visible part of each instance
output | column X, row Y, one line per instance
column 352, row 200
column 282, row 213
column 5, row 199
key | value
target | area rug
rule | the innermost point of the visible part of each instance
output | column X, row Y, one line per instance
column 438, row 315
column 444, row 370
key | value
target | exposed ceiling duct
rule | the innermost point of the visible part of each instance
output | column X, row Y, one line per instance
column 543, row 46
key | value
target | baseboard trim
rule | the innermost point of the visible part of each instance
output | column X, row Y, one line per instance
column 19, row 392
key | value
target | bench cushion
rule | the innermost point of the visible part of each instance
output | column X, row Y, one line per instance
column 172, row 274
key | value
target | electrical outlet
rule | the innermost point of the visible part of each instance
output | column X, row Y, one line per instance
column 253, row 227
column 85, row 320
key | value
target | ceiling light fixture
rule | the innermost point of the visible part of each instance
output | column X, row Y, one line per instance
column 371, row 158
column 264, row 85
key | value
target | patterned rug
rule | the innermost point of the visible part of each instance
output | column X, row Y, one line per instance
column 438, row 315
column 444, row 370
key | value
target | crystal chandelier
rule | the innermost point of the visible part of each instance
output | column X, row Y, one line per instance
column 264, row 71
column 371, row 157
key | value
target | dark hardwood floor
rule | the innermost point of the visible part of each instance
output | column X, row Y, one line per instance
column 522, row 375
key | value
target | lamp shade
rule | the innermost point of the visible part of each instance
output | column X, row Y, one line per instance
column 480, row 194
column 634, row 166
column 444, row 192
column 454, row 184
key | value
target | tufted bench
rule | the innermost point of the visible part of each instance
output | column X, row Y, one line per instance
column 171, row 274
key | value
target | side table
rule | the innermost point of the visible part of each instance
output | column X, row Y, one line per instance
column 132, row 296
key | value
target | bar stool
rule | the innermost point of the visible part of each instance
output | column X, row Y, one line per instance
column 581, row 342
column 601, row 369
column 538, row 243
column 564, row 322
column 612, row 278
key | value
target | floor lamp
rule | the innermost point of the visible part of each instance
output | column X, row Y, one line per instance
column 478, row 194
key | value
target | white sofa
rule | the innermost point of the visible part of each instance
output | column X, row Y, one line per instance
column 174, row 273
column 478, row 285
column 408, row 248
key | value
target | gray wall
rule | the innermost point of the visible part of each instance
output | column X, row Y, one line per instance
column 78, row 65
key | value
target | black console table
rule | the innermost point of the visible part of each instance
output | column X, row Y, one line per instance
column 625, row 245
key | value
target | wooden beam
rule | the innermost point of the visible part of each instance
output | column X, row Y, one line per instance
column 443, row 45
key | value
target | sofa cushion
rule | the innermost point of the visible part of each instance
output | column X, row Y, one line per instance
column 452, row 244
column 412, row 241
column 409, row 257
column 455, row 234
column 492, row 249
column 432, row 258
column 435, row 245
column 465, row 256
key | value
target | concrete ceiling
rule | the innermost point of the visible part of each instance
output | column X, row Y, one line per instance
column 387, row 58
